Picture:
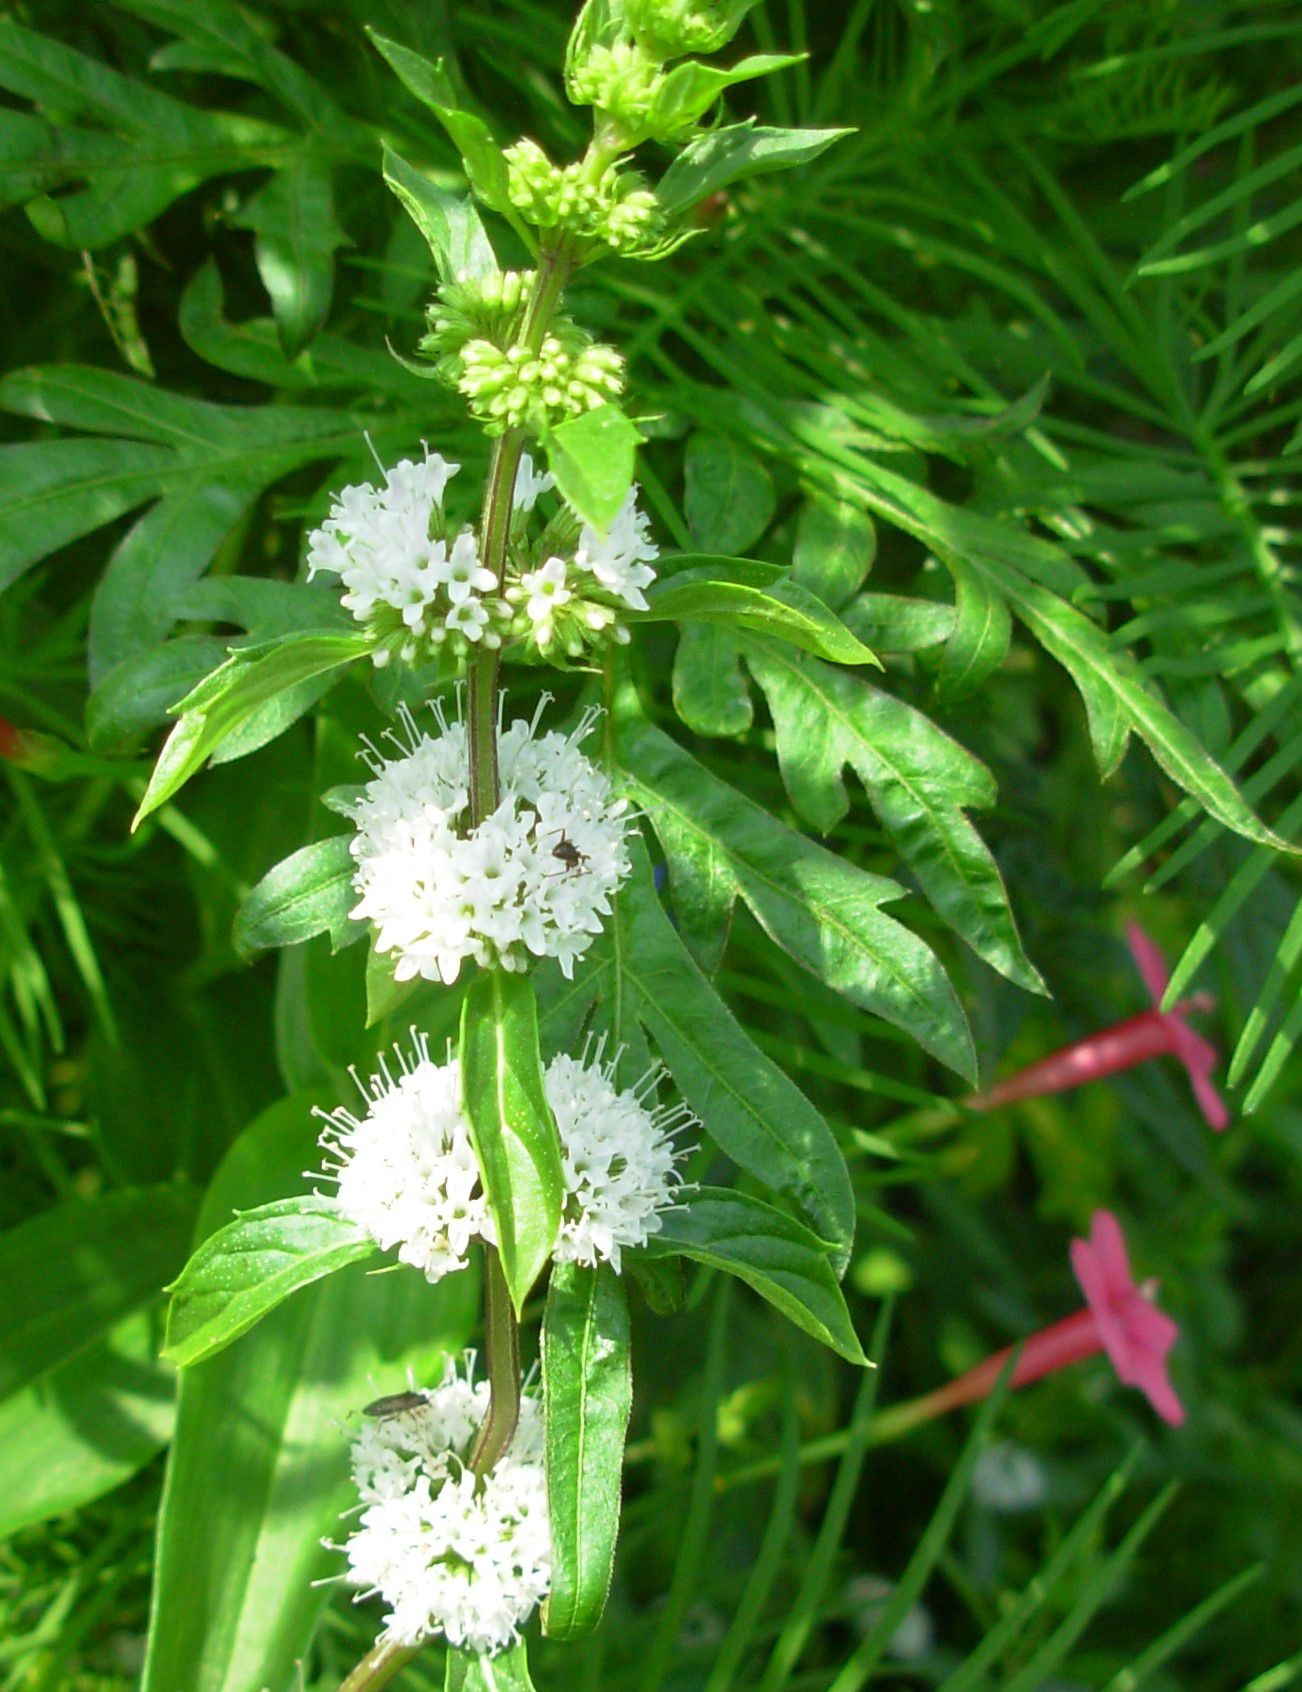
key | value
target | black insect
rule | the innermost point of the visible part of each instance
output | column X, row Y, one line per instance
column 567, row 854
column 394, row 1404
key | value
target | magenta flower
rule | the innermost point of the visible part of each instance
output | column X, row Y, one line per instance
column 1119, row 1319
column 1153, row 1033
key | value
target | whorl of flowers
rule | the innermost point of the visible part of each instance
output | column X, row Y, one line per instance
column 405, row 1169
column 618, row 79
column 671, row 28
column 487, row 307
column 614, row 209
column 571, row 597
column 451, row 1553
column 619, row 1157
column 439, row 891
column 416, row 587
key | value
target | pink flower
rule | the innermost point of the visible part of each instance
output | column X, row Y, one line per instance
column 1153, row 1033
column 1119, row 1319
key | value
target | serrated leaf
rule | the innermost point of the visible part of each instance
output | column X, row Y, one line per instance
column 592, row 459
column 739, row 150
column 919, row 781
column 249, row 679
column 587, row 1398
column 511, row 1123
column 243, row 1271
column 821, row 910
column 310, row 892
column 741, row 593
column 781, row 1260
column 747, row 1105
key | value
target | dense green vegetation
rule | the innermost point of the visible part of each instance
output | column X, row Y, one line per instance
column 1008, row 377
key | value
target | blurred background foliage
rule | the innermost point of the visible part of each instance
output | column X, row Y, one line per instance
column 1051, row 280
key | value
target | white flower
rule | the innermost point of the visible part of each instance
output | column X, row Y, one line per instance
column 620, row 559
column 406, row 1169
column 450, row 1553
column 619, row 1158
column 401, row 577
column 546, row 592
column 529, row 484
column 439, row 892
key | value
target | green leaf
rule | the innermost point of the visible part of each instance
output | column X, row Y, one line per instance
column 480, row 154
column 741, row 593
column 777, row 1257
column 587, row 1396
column 690, row 89
column 508, row 1671
column 726, row 155
column 86, row 1426
column 754, row 1112
column 821, row 910
column 258, row 1473
column 76, row 1270
column 919, row 781
column 449, row 222
column 141, row 692
column 222, row 703
column 711, row 693
column 835, row 547
column 296, row 238
column 592, row 460
column 242, row 1272
column 511, row 1123
column 728, row 498
column 978, row 642
column 310, row 892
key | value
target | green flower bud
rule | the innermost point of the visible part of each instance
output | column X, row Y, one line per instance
column 615, row 210
column 473, row 308
column 522, row 389
column 619, row 80
column 672, row 28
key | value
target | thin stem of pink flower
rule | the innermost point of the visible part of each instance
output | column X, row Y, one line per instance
column 1150, row 1034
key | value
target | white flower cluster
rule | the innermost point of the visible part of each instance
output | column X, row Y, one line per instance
column 565, row 604
column 406, row 1169
column 619, row 1157
column 415, row 587
column 536, row 877
column 451, row 1553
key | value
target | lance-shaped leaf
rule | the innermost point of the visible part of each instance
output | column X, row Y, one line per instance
column 690, row 89
column 918, row 779
column 587, row 1397
column 511, row 1123
column 742, row 593
column 725, row 155
column 821, row 910
column 296, row 237
column 243, row 1271
column 753, row 1111
column 449, row 222
column 73, row 1272
column 310, row 892
column 224, row 701
column 771, row 1252
column 728, row 495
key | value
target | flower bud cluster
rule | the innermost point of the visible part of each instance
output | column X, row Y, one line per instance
column 453, row 1553
column 615, row 210
column 416, row 587
column 518, row 388
column 535, row 878
column 620, row 80
column 488, row 308
column 406, row 1170
column 671, row 28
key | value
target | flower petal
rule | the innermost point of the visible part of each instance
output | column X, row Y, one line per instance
column 1148, row 961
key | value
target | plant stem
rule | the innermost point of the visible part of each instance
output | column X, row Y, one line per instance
column 378, row 1667
column 501, row 1331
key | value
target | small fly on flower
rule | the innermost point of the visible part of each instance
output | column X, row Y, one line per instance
column 394, row 1404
